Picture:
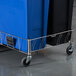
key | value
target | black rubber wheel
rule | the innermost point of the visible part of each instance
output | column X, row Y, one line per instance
column 69, row 50
column 25, row 64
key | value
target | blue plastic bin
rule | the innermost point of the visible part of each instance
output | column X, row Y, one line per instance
column 24, row 18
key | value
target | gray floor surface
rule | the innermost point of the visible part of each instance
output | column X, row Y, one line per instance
column 54, row 63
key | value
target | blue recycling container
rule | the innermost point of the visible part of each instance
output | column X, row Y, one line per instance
column 26, row 19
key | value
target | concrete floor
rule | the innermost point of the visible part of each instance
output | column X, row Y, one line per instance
column 54, row 63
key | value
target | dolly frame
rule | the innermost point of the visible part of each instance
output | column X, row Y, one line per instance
column 26, row 60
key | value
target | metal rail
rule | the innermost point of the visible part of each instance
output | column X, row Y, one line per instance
column 31, row 46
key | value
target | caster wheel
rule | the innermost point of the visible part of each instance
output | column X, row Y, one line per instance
column 69, row 50
column 25, row 62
